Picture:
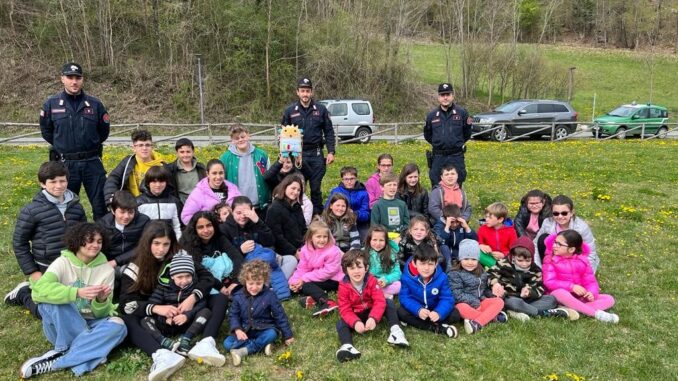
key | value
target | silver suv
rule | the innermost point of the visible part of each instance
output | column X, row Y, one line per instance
column 521, row 117
column 351, row 118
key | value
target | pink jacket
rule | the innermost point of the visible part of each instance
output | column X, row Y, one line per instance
column 318, row 265
column 373, row 188
column 564, row 272
column 203, row 198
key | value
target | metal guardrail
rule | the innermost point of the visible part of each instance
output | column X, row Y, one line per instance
column 395, row 132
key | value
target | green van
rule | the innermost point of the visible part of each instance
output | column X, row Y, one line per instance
column 628, row 120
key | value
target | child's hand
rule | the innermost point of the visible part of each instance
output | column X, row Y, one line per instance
column 168, row 321
column 188, row 304
column 498, row 290
column 382, row 283
column 463, row 223
column 448, row 222
column 359, row 327
column 89, row 292
column 497, row 255
column 166, row 311
column 433, row 316
column 247, row 246
column 588, row 296
column 180, row 319
column 423, row 313
column 297, row 254
column 525, row 292
column 578, row 290
column 240, row 334
column 297, row 286
column 289, row 341
column 104, row 293
column 252, row 215
column 485, row 248
column 370, row 324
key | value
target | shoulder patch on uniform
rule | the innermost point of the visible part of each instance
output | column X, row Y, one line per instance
column 106, row 118
column 58, row 110
column 316, row 113
column 456, row 117
column 88, row 111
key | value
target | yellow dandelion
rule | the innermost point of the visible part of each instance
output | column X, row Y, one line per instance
column 300, row 375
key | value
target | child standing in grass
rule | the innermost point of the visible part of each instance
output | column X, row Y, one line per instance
column 189, row 323
column 383, row 262
column 374, row 184
column 342, row 222
column 362, row 305
column 475, row 302
column 74, row 298
column 256, row 316
column 569, row 277
column 319, row 269
column 426, row 301
column 390, row 211
column 519, row 281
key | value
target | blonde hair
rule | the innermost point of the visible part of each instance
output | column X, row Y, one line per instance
column 497, row 209
column 316, row 226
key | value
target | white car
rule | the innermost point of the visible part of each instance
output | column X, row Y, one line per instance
column 351, row 118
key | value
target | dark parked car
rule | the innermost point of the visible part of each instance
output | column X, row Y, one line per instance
column 525, row 117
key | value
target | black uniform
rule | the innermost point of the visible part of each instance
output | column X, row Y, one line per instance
column 447, row 132
column 315, row 122
column 76, row 126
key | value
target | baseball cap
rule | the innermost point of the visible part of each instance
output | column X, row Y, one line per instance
column 444, row 88
column 304, row 82
column 71, row 68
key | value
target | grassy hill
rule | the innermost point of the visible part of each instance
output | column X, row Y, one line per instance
column 614, row 76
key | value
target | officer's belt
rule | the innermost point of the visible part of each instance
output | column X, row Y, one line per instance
column 311, row 146
column 81, row 155
column 447, row 151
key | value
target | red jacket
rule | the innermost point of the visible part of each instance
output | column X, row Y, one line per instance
column 351, row 303
column 498, row 239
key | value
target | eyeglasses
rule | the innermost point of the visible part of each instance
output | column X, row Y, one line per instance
column 564, row 214
column 144, row 145
column 560, row 244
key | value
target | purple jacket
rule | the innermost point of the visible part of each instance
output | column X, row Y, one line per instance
column 204, row 198
column 373, row 188
column 318, row 265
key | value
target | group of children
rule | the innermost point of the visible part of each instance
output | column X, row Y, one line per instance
column 180, row 260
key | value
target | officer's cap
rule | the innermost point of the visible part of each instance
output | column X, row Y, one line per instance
column 445, row 88
column 304, row 82
column 71, row 68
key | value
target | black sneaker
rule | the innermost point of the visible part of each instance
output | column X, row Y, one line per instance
column 556, row 312
column 184, row 346
column 12, row 296
column 39, row 365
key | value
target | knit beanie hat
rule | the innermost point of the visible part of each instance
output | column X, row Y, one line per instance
column 182, row 264
column 525, row 242
column 469, row 249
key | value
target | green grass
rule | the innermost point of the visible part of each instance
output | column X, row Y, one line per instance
column 625, row 190
column 616, row 77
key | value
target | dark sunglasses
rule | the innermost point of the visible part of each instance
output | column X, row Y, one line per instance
column 564, row 214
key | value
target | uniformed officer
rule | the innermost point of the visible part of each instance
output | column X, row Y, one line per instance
column 315, row 122
column 76, row 125
column 447, row 129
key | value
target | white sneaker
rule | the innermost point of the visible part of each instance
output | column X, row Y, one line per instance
column 268, row 349
column 10, row 297
column 206, row 351
column 347, row 352
column 607, row 317
column 450, row 331
column 397, row 337
column 165, row 363
column 520, row 316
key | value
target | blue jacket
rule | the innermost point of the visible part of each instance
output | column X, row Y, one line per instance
column 452, row 238
column 80, row 130
column 357, row 198
column 261, row 311
column 434, row 295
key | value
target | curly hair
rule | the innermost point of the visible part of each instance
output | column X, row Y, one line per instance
column 82, row 233
column 254, row 270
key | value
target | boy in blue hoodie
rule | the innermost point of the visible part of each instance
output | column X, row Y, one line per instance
column 426, row 301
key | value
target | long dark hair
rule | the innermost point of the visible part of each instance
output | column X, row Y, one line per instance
column 190, row 241
column 385, row 254
column 403, row 188
column 573, row 239
column 348, row 218
column 279, row 191
column 149, row 267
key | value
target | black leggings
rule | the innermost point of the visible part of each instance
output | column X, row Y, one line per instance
column 346, row 333
column 316, row 290
column 158, row 328
column 139, row 336
column 218, row 304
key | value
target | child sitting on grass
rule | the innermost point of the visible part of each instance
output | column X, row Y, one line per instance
column 362, row 305
column 519, row 281
column 426, row 301
column 496, row 235
column 188, row 323
column 74, row 298
column 383, row 260
column 256, row 315
column 452, row 229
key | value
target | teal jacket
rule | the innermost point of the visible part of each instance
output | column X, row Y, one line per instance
column 260, row 160
column 394, row 273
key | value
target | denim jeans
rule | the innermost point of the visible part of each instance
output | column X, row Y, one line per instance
column 87, row 342
column 256, row 340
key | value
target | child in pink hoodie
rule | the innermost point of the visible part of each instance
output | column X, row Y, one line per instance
column 319, row 269
column 569, row 277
